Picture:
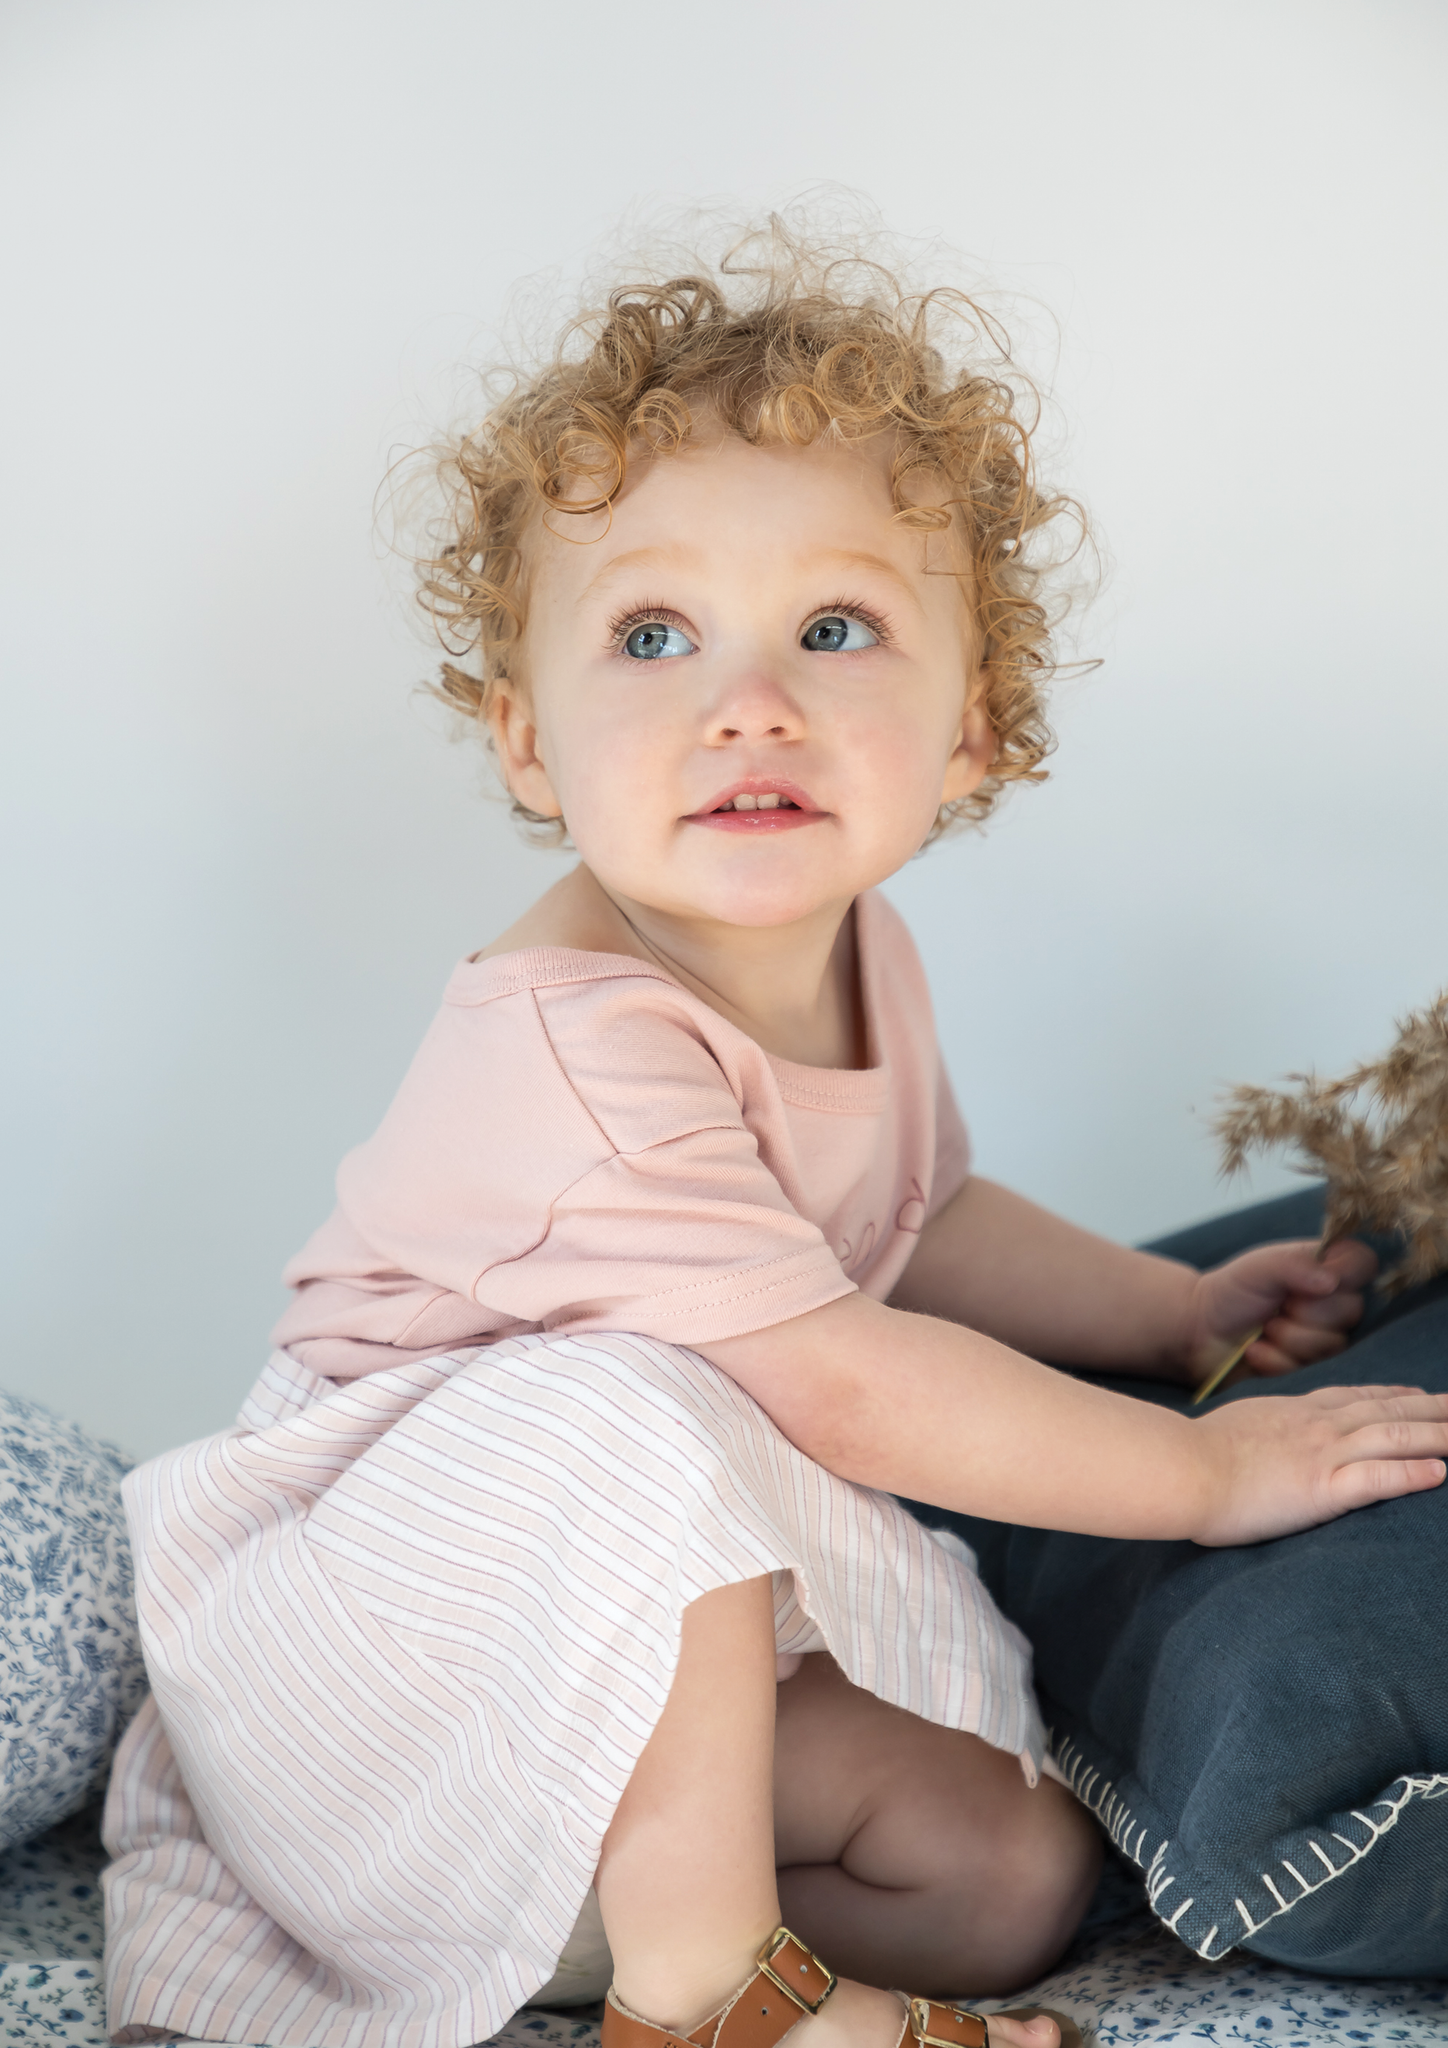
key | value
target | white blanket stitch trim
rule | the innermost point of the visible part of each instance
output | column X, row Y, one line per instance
column 1116, row 1817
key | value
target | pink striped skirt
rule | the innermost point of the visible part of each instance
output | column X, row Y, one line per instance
column 407, row 1636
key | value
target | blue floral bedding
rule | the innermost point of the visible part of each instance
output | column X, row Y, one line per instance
column 1128, row 1982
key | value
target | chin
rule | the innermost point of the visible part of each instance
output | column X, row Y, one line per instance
column 761, row 906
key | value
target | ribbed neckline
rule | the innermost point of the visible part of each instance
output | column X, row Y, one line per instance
column 856, row 1090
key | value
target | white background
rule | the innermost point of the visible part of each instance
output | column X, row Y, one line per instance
column 245, row 248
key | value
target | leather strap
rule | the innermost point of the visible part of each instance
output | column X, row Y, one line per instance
column 624, row 2029
column 798, row 1973
column 787, row 1983
column 947, row 2026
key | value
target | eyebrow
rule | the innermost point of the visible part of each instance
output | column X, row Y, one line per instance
column 639, row 558
column 680, row 555
column 856, row 558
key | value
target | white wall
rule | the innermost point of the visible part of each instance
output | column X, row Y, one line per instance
column 245, row 244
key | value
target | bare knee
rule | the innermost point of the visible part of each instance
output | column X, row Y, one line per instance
column 918, row 1854
column 1043, row 1868
column 1002, row 1871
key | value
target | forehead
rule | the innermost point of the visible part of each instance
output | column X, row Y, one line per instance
column 721, row 505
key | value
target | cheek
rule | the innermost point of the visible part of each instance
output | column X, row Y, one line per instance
column 900, row 753
column 604, row 751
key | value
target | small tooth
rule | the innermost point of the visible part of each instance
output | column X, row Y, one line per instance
column 768, row 803
column 745, row 803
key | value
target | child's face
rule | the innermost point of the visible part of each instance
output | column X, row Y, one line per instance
column 754, row 625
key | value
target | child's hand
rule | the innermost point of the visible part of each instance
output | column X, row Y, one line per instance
column 1285, row 1463
column 1302, row 1304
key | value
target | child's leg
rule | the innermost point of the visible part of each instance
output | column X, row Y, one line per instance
column 686, row 1881
column 913, row 1854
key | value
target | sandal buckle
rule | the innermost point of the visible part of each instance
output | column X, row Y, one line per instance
column 936, row 2024
column 801, row 1962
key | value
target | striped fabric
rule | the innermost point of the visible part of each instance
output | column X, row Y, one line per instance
column 408, row 1635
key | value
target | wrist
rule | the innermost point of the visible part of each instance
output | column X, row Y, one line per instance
column 1190, row 1481
column 1186, row 1354
column 1206, row 1480
column 1173, row 1475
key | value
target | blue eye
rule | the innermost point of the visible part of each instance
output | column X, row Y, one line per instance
column 655, row 641
column 836, row 634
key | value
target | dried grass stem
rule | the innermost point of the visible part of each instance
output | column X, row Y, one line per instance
column 1379, row 1136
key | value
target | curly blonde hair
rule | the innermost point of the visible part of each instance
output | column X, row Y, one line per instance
column 786, row 338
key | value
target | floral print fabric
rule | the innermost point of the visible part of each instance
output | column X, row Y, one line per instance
column 73, row 1674
column 1128, row 1983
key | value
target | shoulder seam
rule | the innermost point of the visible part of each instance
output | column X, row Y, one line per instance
column 520, row 980
column 610, row 1152
column 568, row 1082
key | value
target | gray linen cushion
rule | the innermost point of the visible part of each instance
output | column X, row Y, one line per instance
column 72, row 1674
column 1263, row 1731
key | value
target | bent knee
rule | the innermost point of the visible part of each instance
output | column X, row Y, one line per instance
column 1043, row 1873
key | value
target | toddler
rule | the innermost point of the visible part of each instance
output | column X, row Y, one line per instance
column 547, row 1625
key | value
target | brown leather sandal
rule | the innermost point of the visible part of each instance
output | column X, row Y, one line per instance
column 788, row 1984
column 947, row 2026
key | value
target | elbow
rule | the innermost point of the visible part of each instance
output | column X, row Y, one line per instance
column 823, row 1381
column 841, row 1426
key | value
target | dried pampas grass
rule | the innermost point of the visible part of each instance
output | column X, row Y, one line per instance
column 1379, row 1135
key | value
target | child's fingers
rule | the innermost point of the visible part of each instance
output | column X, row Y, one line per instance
column 1354, row 1263
column 1287, row 1345
column 1365, row 1480
column 1348, row 1397
column 1303, row 1270
column 1278, row 1279
column 1028, row 2027
column 1283, row 1269
column 1268, row 1359
column 1390, row 1447
column 1412, row 1427
column 1305, row 1332
column 1338, row 1311
column 1301, row 1343
column 1310, row 1459
column 1391, row 1405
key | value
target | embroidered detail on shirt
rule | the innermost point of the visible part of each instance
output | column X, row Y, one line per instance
column 912, row 1212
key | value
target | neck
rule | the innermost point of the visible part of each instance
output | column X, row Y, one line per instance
column 794, row 988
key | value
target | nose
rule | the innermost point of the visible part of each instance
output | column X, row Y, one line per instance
column 754, row 705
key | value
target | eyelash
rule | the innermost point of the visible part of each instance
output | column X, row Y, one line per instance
column 643, row 615
column 850, row 608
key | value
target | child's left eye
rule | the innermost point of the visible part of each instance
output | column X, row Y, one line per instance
column 836, row 633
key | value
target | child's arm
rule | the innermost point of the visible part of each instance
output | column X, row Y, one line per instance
column 923, row 1408
column 999, row 1264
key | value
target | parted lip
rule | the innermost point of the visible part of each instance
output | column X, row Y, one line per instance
column 758, row 785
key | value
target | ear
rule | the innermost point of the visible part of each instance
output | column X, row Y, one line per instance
column 515, row 741
column 975, row 749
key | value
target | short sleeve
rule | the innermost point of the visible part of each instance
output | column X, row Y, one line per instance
column 572, row 1156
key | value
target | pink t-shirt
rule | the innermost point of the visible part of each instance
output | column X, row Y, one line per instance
column 580, row 1144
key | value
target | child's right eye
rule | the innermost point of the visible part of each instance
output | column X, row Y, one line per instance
column 656, row 641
